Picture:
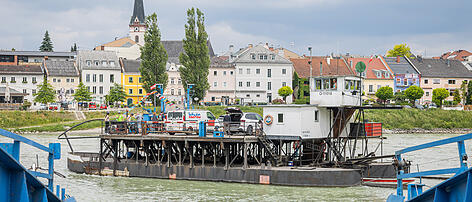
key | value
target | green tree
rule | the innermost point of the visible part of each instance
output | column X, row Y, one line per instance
column 116, row 94
column 413, row 93
column 295, row 81
column 457, row 96
column 399, row 50
column 73, row 48
column 153, row 56
column 45, row 93
column 82, row 94
column 195, row 59
column 399, row 97
column 46, row 45
column 463, row 91
column 285, row 91
column 469, row 93
column 439, row 94
column 384, row 93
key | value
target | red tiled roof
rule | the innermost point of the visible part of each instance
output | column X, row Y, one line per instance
column 336, row 67
column 375, row 64
column 455, row 55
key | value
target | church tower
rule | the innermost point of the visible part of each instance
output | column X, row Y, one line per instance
column 137, row 24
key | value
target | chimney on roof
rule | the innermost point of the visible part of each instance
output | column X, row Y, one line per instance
column 231, row 47
column 46, row 57
column 420, row 58
column 448, row 62
column 398, row 59
column 102, row 48
column 266, row 45
column 350, row 63
column 249, row 45
column 328, row 60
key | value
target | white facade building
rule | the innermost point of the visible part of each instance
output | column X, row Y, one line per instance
column 222, row 80
column 260, row 73
column 100, row 70
column 22, row 78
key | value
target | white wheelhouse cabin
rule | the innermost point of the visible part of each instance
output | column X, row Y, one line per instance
column 333, row 101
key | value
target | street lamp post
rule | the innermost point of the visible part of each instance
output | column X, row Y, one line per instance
column 311, row 67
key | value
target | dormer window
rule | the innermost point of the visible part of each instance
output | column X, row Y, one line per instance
column 112, row 63
column 104, row 63
column 253, row 56
column 378, row 74
column 386, row 75
column 272, row 56
column 96, row 62
column 89, row 63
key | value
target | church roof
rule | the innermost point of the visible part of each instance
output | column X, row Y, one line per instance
column 123, row 42
column 138, row 12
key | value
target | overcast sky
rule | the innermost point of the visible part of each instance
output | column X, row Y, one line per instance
column 361, row 27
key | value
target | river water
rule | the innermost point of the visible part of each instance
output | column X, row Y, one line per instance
column 96, row 188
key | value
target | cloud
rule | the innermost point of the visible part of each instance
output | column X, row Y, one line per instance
column 359, row 27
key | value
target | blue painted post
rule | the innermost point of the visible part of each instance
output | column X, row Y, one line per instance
column 51, row 172
column 63, row 194
column 399, row 180
column 16, row 150
column 57, row 190
column 462, row 156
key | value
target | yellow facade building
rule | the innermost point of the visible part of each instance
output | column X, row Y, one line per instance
column 131, row 81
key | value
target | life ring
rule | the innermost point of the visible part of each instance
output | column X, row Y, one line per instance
column 268, row 119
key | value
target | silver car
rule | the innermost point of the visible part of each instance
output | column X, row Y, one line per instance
column 251, row 122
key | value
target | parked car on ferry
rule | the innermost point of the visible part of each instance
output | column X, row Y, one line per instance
column 250, row 122
column 54, row 106
column 234, row 121
column 187, row 120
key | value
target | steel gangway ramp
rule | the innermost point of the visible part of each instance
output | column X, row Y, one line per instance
column 20, row 184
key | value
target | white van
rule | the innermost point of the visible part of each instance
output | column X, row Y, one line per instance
column 187, row 120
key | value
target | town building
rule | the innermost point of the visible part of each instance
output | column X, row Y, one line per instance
column 441, row 73
column 222, row 80
column 131, row 81
column 404, row 71
column 287, row 54
column 260, row 73
column 100, row 70
column 461, row 55
column 33, row 57
column 21, row 78
column 124, row 48
column 137, row 23
column 64, row 78
column 376, row 75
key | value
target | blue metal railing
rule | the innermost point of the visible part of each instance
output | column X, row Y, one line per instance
column 416, row 190
column 13, row 149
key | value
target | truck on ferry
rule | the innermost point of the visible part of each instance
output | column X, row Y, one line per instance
column 187, row 120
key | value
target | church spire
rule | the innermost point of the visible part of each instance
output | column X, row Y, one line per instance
column 138, row 13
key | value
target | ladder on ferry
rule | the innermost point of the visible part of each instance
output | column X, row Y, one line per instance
column 270, row 148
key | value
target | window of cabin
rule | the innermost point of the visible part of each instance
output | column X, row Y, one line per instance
column 317, row 115
column 318, row 84
column 333, row 84
column 280, row 118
